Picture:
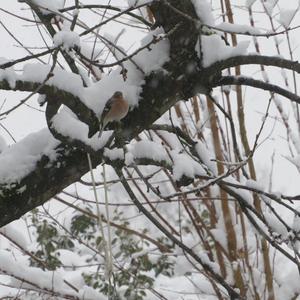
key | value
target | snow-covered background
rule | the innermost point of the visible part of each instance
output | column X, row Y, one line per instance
column 273, row 155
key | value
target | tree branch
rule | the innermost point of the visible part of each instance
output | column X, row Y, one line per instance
column 243, row 80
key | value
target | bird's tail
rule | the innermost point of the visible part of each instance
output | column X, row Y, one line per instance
column 101, row 128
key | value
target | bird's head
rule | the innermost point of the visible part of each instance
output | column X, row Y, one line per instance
column 118, row 94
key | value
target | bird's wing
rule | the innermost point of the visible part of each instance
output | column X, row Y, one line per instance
column 107, row 108
column 105, row 111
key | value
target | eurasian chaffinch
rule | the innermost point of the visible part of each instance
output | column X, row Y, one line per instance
column 116, row 108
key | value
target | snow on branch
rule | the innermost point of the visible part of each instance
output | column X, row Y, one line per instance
column 20, row 159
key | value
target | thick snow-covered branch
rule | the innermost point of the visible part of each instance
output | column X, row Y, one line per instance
column 55, row 94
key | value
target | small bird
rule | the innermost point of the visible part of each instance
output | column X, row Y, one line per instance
column 116, row 108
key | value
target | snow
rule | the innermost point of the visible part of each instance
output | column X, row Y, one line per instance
column 75, row 12
column 41, row 99
column 88, row 293
column 31, row 277
column 98, row 93
column 184, row 287
column 13, row 232
column 220, row 235
column 61, row 79
column 139, row 150
column 114, row 154
column 66, row 123
column 288, row 282
column 153, row 60
column 252, row 184
column 129, row 159
column 70, row 258
column 238, row 28
column 204, row 11
column 214, row 49
column 20, row 159
column 206, row 156
column 275, row 225
column 66, row 39
column 34, row 275
column 246, row 195
column 181, row 267
column 185, row 165
column 48, row 7
column 214, row 266
column 7, row 74
column 95, row 97
column 149, row 150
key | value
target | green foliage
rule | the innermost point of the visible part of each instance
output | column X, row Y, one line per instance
column 140, row 272
column 49, row 240
column 135, row 268
column 84, row 226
